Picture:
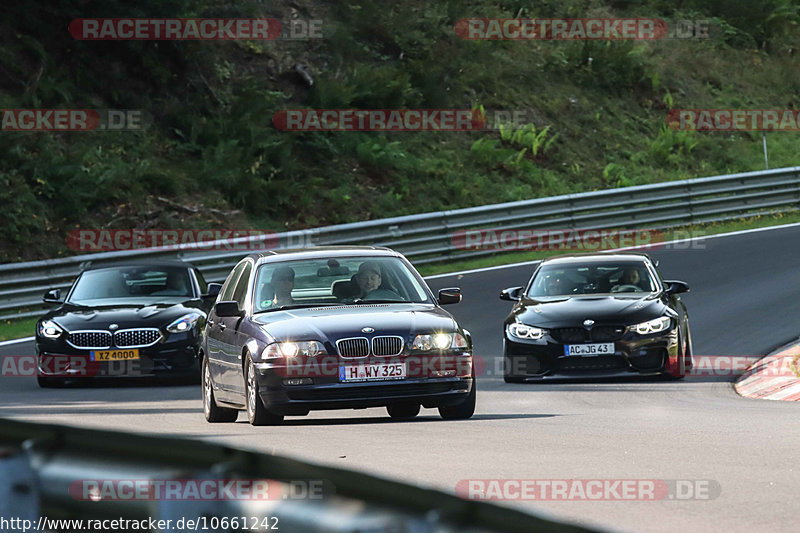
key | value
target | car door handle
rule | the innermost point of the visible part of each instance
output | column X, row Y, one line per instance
column 222, row 326
column 210, row 322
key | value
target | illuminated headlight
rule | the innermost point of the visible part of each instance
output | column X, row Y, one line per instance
column 439, row 341
column 276, row 350
column 522, row 331
column 49, row 329
column 184, row 323
column 652, row 326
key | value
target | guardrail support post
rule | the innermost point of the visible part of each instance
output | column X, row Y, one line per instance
column 19, row 494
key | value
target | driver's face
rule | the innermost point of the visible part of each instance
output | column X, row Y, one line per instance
column 369, row 281
column 631, row 277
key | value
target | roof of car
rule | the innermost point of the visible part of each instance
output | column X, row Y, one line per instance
column 140, row 263
column 322, row 251
column 598, row 257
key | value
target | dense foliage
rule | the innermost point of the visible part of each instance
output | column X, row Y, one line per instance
column 596, row 112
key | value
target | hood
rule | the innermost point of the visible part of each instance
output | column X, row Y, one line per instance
column 125, row 314
column 603, row 309
column 332, row 323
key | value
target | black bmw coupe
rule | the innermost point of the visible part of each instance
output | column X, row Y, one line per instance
column 596, row 315
column 333, row 328
column 125, row 321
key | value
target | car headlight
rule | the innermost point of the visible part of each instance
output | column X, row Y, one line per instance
column 439, row 341
column 49, row 329
column 652, row 326
column 277, row 350
column 184, row 323
column 523, row 331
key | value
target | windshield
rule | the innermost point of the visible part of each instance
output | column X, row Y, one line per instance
column 613, row 278
column 347, row 280
column 132, row 282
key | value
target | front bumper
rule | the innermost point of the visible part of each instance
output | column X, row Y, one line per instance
column 173, row 356
column 634, row 355
column 434, row 382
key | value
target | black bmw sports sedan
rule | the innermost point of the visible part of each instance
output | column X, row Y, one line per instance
column 125, row 321
column 598, row 315
column 333, row 328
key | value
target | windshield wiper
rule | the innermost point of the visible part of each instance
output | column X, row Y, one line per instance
column 363, row 301
column 293, row 306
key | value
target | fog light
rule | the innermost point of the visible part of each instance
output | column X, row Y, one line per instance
column 297, row 381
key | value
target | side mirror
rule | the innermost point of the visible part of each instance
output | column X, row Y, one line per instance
column 451, row 295
column 53, row 296
column 230, row 308
column 213, row 290
column 676, row 287
column 512, row 294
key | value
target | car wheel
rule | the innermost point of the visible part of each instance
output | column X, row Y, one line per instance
column 403, row 410
column 679, row 371
column 211, row 410
column 689, row 349
column 257, row 412
column 463, row 410
column 49, row 383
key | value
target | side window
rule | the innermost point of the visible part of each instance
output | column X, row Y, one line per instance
column 200, row 281
column 241, row 286
column 227, row 289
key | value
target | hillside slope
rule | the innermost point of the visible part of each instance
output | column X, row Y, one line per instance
column 210, row 157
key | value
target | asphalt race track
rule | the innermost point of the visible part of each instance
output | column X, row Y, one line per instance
column 743, row 301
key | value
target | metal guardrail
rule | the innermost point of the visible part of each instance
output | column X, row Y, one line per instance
column 44, row 470
column 429, row 237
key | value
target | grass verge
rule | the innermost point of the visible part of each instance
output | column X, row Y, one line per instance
column 17, row 329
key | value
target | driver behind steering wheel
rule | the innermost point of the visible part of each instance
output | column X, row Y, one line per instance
column 629, row 281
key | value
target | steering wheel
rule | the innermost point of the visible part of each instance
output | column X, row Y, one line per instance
column 626, row 288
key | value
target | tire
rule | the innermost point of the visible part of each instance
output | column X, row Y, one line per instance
column 50, row 383
column 211, row 410
column 681, row 362
column 689, row 349
column 463, row 410
column 257, row 412
column 402, row 411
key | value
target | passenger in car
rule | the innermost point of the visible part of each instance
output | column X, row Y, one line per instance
column 369, row 280
column 554, row 285
column 283, row 282
column 631, row 277
column 279, row 291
